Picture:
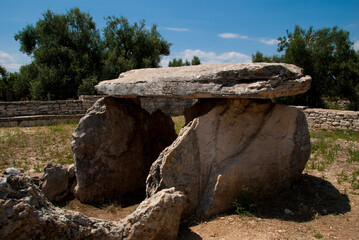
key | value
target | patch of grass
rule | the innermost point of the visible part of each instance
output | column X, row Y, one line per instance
column 354, row 180
column 33, row 147
column 342, row 177
column 244, row 205
column 179, row 122
column 348, row 135
column 353, row 154
column 318, row 235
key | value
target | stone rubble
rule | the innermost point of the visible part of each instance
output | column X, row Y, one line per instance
column 25, row 213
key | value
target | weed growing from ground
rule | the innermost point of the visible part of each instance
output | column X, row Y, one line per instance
column 353, row 154
column 318, row 235
column 342, row 177
column 244, row 205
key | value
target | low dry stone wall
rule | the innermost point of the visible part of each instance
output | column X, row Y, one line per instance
column 331, row 119
column 32, row 113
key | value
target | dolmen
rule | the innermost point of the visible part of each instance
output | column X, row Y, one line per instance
column 235, row 141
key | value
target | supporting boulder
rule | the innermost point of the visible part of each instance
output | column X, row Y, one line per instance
column 238, row 147
column 115, row 145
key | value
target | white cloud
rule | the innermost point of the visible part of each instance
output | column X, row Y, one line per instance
column 177, row 29
column 356, row 45
column 268, row 41
column 232, row 35
column 208, row 57
column 13, row 62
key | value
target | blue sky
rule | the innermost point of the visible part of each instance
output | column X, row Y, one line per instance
column 215, row 31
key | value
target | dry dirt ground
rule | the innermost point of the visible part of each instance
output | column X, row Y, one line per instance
column 323, row 204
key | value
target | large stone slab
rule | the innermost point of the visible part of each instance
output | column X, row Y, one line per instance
column 25, row 213
column 115, row 145
column 232, row 147
column 225, row 80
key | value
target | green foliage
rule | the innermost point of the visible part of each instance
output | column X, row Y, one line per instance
column 244, row 205
column 3, row 82
column 69, row 54
column 7, row 85
column 179, row 62
column 196, row 60
column 129, row 46
column 327, row 55
column 87, row 86
column 66, row 49
column 318, row 235
column 259, row 57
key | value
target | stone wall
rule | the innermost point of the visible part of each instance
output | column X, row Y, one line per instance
column 31, row 108
column 331, row 119
column 34, row 113
column 31, row 113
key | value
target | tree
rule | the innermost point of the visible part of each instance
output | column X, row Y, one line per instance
column 195, row 60
column 179, row 62
column 3, row 82
column 66, row 49
column 259, row 57
column 69, row 55
column 327, row 55
column 129, row 46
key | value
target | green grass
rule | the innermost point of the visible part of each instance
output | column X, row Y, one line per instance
column 332, row 136
column 353, row 154
column 179, row 122
column 318, row 235
column 33, row 147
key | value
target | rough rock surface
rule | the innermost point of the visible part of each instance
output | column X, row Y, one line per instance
column 238, row 147
column 25, row 213
column 115, row 145
column 225, row 80
column 58, row 182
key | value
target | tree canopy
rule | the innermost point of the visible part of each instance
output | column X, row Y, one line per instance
column 179, row 62
column 131, row 46
column 69, row 54
column 327, row 55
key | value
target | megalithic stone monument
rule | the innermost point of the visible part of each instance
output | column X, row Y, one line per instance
column 236, row 141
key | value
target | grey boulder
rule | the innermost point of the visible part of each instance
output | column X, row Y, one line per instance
column 58, row 182
column 115, row 145
column 237, row 147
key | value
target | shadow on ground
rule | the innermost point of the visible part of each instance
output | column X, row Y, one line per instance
column 309, row 197
column 304, row 201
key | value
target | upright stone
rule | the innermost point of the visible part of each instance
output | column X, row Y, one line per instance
column 115, row 145
column 237, row 147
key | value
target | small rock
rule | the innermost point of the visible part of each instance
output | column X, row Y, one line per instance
column 12, row 171
column 58, row 182
column 287, row 211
